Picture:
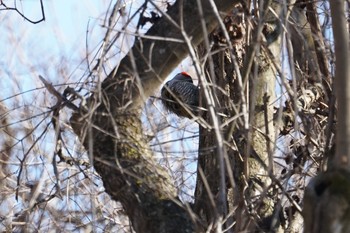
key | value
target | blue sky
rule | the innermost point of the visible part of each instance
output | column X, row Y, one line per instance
column 62, row 34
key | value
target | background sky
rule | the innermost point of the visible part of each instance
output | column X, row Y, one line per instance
column 59, row 42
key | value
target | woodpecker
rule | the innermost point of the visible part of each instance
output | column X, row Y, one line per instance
column 181, row 96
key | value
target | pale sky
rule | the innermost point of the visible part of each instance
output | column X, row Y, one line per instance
column 59, row 42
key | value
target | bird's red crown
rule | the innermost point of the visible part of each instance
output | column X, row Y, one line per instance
column 186, row 74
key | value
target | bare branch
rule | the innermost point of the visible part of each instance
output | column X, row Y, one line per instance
column 21, row 14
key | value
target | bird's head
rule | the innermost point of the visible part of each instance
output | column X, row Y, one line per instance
column 183, row 76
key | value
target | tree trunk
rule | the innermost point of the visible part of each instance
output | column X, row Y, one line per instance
column 109, row 124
